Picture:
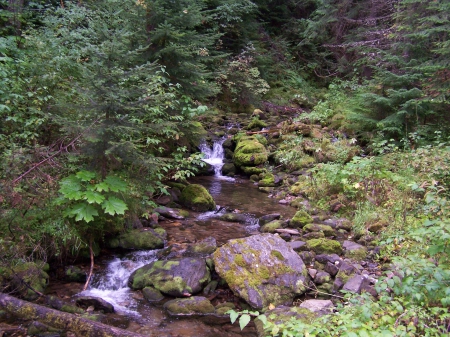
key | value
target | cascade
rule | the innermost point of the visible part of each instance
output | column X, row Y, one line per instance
column 112, row 284
column 215, row 155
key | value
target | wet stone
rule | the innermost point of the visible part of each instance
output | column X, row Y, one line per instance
column 268, row 218
column 99, row 304
column 324, row 258
column 152, row 295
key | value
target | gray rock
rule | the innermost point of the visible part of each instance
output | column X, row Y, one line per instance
column 324, row 258
column 206, row 246
column 262, row 269
column 355, row 283
column 98, row 303
column 177, row 277
column 322, row 277
column 152, row 295
column 318, row 306
column 171, row 213
column 331, row 268
column 354, row 250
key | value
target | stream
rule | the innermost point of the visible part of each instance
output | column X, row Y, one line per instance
column 132, row 310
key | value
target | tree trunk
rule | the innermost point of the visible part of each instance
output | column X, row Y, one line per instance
column 81, row 327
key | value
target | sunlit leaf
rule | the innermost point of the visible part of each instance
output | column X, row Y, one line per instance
column 93, row 197
column 244, row 320
column 233, row 316
column 114, row 205
column 83, row 211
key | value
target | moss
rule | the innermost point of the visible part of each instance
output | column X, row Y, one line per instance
column 324, row 246
column 267, row 181
column 72, row 309
column 277, row 254
column 177, row 283
column 197, row 198
column 192, row 305
column 253, row 171
column 256, row 123
column 272, row 226
column 239, row 260
column 184, row 213
column 249, row 152
column 300, row 219
column 327, row 230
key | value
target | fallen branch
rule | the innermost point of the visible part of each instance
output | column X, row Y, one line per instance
column 60, row 320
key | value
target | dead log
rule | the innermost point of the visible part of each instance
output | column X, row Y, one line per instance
column 80, row 326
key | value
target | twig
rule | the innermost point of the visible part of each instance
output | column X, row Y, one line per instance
column 91, row 269
column 55, row 154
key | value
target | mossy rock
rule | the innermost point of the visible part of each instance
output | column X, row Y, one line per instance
column 197, row 198
column 256, row 123
column 327, row 230
column 30, row 273
column 301, row 219
column 140, row 239
column 271, row 227
column 228, row 169
column 178, row 277
column 324, row 246
column 250, row 152
column 250, row 171
column 195, row 305
column 267, row 181
column 261, row 269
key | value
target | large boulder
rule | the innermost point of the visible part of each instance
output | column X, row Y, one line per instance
column 262, row 269
column 147, row 238
column 178, row 277
column 249, row 152
column 197, row 198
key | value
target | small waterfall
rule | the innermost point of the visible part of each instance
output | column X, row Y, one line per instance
column 112, row 285
column 214, row 156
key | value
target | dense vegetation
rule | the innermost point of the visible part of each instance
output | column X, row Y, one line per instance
column 100, row 103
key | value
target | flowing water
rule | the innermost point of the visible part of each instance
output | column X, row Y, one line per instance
column 231, row 195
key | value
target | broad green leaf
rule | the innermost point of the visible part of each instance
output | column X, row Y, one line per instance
column 83, row 211
column 233, row 316
column 263, row 319
column 70, row 187
column 114, row 205
column 93, row 197
column 85, row 175
column 433, row 250
column 115, row 183
column 244, row 320
column 102, row 186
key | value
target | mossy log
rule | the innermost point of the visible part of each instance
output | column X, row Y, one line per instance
column 61, row 320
